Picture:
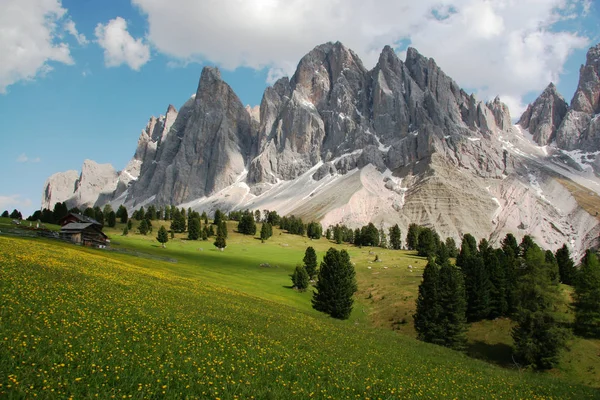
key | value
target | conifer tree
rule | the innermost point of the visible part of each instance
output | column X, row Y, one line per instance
column 143, row 227
column 222, row 229
column 493, row 260
column 220, row 242
column 210, row 231
column 112, row 219
column 587, row 297
column 336, row 285
column 566, row 266
column 477, row 288
column 468, row 248
column 395, row 237
column 163, row 236
column 539, row 335
column 5, row 214
column 129, row 224
column 427, row 243
column 125, row 231
column 357, row 238
column 194, row 229
column 428, row 314
column 451, row 292
column 122, row 214
column 218, row 217
column 266, row 231
column 451, row 247
column 205, row 233
column 310, row 262
column 412, row 237
column 300, row 278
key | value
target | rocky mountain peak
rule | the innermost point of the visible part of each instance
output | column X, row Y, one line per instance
column 544, row 116
column 587, row 96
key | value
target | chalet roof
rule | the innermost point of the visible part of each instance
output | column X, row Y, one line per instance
column 81, row 218
column 76, row 226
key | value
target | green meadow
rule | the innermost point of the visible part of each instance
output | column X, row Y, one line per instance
column 189, row 321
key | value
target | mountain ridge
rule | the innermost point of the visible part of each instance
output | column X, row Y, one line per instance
column 400, row 143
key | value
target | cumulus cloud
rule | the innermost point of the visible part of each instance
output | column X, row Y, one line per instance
column 71, row 29
column 120, row 47
column 24, row 159
column 30, row 39
column 14, row 201
column 505, row 47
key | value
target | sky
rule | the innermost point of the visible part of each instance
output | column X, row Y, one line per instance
column 79, row 79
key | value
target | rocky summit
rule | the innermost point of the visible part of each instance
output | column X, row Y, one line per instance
column 338, row 143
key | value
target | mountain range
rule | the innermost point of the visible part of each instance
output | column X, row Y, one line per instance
column 337, row 143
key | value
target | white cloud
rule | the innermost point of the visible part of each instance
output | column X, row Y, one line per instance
column 29, row 40
column 494, row 47
column 23, row 159
column 80, row 37
column 14, row 201
column 120, row 47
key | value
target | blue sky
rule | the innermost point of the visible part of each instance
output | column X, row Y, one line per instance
column 79, row 79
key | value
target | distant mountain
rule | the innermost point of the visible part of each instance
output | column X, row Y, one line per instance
column 338, row 143
column 571, row 127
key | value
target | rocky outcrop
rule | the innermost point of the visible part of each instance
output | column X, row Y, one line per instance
column 543, row 117
column 58, row 188
column 206, row 149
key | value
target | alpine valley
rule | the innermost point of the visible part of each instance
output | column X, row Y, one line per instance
column 337, row 143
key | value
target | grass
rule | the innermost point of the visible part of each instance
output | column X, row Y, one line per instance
column 587, row 199
column 192, row 321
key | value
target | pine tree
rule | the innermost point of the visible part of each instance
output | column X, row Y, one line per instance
column 587, row 297
column 218, row 217
column 412, row 237
column 510, row 263
column 222, row 229
column 60, row 211
column 194, row 229
column 451, row 294
column 143, row 227
column 125, row 231
column 163, row 236
column 427, row 243
column 265, row 231
column 205, row 233
column 369, row 235
column 395, row 237
column 112, row 219
column 122, row 214
column 477, row 288
column 220, row 242
column 468, row 248
column 451, row 247
column 566, row 266
column 310, row 262
column 300, row 278
column 129, row 224
column 493, row 260
column 5, row 214
column 428, row 314
column 336, row 285
column 538, row 336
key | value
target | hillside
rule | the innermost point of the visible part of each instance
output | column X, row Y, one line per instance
column 151, row 322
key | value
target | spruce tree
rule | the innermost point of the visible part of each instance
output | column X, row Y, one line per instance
column 493, row 260
column 218, row 217
column 587, row 297
column 5, row 214
column 382, row 239
column 468, row 248
column 412, row 237
column 395, row 237
column 220, row 242
column 451, row 247
column 566, row 266
column 143, row 227
column 336, row 285
column 428, row 314
column 163, row 236
column 122, row 214
column 310, row 262
column 125, row 231
column 451, row 294
column 539, row 335
column 194, row 229
column 300, row 278
column 265, row 231
column 112, row 219
column 427, row 244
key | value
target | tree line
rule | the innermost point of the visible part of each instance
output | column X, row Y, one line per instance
column 517, row 281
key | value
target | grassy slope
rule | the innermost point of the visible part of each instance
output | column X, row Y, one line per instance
column 386, row 296
column 82, row 322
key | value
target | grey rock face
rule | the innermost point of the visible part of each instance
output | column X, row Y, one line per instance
column 543, row 117
column 207, row 148
column 576, row 130
column 58, row 188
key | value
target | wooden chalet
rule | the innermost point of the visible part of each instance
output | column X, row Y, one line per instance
column 83, row 230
